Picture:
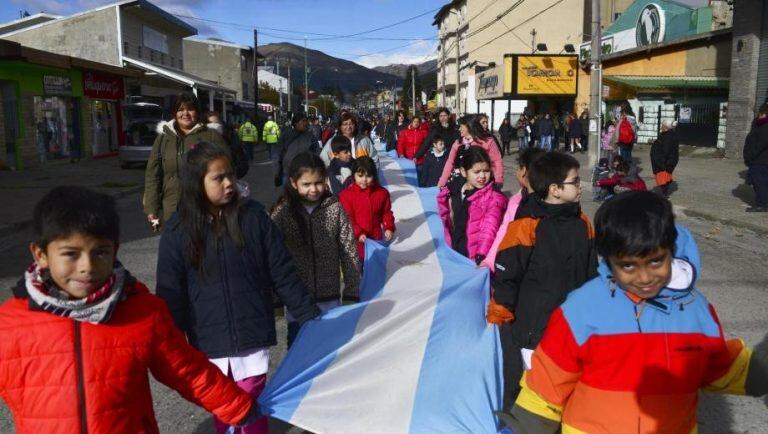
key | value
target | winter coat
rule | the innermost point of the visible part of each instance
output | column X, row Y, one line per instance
column 449, row 134
column 547, row 252
column 369, row 210
column 161, row 179
column 409, row 142
column 756, row 143
column 291, row 144
column 584, row 121
column 626, row 182
column 327, row 247
column 361, row 146
column 574, row 129
column 610, row 362
column 665, row 152
column 546, row 127
column 489, row 145
column 432, row 169
column 509, row 216
column 390, row 135
column 340, row 175
column 58, row 375
column 229, row 309
column 522, row 128
column 506, row 133
column 485, row 208
column 609, row 140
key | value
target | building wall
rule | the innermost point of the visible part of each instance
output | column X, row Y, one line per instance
column 609, row 9
column 215, row 62
column 90, row 36
column 133, row 41
column 712, row 60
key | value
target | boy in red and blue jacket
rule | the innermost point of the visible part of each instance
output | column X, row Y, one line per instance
column 630, row 350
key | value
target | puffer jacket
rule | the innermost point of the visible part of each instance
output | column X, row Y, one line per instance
column 161, row 179
column 229, row 309
column 509, row 216
column 327, row 247
column 362, row 146
column 64, row 376
column 486, row 208
column 409, row 142
column 370, row 212
column 490, row 146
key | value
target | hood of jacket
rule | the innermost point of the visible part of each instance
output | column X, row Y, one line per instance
column 533, row 207
column 686, row 265
column 169, row 127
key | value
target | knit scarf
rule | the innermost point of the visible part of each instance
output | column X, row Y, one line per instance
column 97, row 308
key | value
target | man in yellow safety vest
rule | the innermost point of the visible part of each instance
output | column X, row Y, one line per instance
column 248, row 135
column 271, row 134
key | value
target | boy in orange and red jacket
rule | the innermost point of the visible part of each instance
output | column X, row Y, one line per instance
column 547, row 251
column 630, row 350
column 80, row 334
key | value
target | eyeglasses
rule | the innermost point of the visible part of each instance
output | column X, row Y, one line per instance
column 576, row 181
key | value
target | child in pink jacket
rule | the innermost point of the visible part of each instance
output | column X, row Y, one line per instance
column 472, row 134
column 471, row 210
column 524, row 161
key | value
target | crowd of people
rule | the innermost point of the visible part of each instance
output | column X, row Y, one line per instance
column 600, row 325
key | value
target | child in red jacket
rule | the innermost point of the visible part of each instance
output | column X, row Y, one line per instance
column 368, row 205
column 410, row 140
column 80, row 334
column 625, row 179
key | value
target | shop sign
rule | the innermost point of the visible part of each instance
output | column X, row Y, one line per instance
column 490, row 83
column 100, row 86
column 546, row 75
column 57, row 85
column 649, row 29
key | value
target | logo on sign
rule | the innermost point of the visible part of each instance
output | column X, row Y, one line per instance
column 650, row 26
column 489, row 83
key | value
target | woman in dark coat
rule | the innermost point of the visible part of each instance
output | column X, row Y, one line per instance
column 506, row 133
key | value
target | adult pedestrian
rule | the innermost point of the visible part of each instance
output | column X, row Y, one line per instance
column 240, row 160
column 296, row 139
column 248, row 135
column 361, row 145
column 546, row 132
column 506, row 132
column 627, row 132
column 174, row 139
column 472, row 134
column 665, row 153
column 574, row 134
column 390, row 133
column 756, row 158
column 443, row 128
column 522, row 133
column 271, row 134
column 483, row 120
column 317, row 130
column 584, row 121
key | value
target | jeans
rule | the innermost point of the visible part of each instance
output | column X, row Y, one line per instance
column 546, row 143
column 758, row 173
column 248, row 149
column 626, row 153
column 522, row 143
column 254, row 386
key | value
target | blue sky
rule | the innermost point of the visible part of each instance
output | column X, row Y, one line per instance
column 301, row 17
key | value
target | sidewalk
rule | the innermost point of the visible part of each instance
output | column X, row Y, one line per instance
column 20, row 190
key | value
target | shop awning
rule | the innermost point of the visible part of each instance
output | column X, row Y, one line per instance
column 652, row 83
column 180, row 77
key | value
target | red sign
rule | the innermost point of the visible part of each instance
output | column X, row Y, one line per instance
column 103, row 86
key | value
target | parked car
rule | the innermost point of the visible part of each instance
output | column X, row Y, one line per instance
column 141, row 120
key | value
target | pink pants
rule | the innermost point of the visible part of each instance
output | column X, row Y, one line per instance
column 254, row 386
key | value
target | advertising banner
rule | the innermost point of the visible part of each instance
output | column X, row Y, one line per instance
column 102, row 86
column 546, row 75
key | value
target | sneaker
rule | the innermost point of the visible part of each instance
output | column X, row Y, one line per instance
column 757, row 209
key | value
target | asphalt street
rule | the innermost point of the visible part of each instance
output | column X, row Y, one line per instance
column 734, row 278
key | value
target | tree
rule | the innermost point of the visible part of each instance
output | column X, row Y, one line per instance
column 268, row 94
column 407, row 92
column 326, row 106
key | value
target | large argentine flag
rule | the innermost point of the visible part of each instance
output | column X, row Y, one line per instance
column 416, row 356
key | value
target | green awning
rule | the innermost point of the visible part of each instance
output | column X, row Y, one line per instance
column 671, row 82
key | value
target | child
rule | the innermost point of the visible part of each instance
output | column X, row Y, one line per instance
column 340, row 167
column 471, row 207
column 433, row 165
column 368, row 205
column 220, row 259
column 318, row 234
column 410, row 139
column 609, row 141
column 547, row 251
column 630, row 350
column 625, row 178
column 81, row 332
column 524, row 160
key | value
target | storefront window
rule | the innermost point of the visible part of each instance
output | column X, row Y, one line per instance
column 57, row 135
column 104, row 124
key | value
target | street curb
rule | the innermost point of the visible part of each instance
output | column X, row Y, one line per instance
column 8, row 229
column 758, row 229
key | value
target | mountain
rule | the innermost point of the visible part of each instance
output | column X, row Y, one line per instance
column 398, row 69
column 327, row 71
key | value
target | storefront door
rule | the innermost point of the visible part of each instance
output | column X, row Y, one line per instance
column 10, row 121
column 104, row 126
column 57, row 132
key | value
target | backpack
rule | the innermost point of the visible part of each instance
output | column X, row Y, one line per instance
column 626, row 133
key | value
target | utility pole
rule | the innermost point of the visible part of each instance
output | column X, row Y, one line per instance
column 533, row 41
column 306, row 79
column 290, row 92
column 458, row 73
column 413, row 88
column 595, row 86
column 442, row 70
column 279, row 91
column 255, row 74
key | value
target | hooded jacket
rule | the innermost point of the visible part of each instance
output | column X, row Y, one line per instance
column 611, row 363
column 484, row 208
column 369, row 211
column 64, row 376
column 489, row 145
column 432, row 168
column 361, row 146
column 327, row 247
column 509, row 216
column 409, row 142
column 665, row 152
column 229, row 309
column 756, row 143
column 161, row 179
column 449, row 134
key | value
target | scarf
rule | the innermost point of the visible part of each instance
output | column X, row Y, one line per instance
column 97, row 308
